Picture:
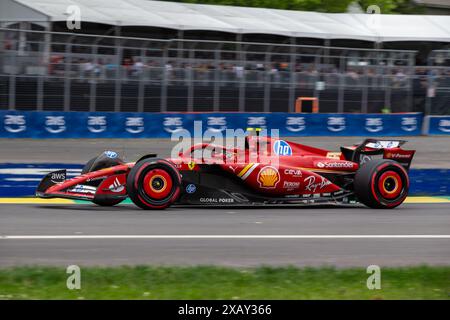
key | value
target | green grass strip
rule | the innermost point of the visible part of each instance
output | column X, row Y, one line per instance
column 208, row 282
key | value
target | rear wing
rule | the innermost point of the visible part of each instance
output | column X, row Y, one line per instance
column 377, row 145
column 371, row 149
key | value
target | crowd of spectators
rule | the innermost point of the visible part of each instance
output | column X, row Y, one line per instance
column 175, row 71
column 179, row 71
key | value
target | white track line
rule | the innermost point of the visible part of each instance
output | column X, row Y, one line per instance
column 312, row 236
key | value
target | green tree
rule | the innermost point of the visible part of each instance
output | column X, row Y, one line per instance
column 386, row 6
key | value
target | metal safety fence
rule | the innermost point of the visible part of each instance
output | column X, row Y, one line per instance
column 42, row 70
column 438, row 82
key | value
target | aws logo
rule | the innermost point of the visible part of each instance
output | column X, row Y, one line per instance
column 55, row 124
column 15, row 123
column 268, row 177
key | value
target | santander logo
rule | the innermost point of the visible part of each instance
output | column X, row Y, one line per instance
column 116, row 186
column 335, row 164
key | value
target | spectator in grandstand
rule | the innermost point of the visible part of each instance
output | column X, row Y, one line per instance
column 274, row 74
column 56, row 65
column 260, row 67
column 352, row 74
column 168, row 68
column 87, row 68
column 239, row 71
column 137, row 68
column 110, row 68
column 400, row 79
column 98, row 68
column 127, row 64
column 7, row 44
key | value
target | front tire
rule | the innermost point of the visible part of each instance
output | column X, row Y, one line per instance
column 153, row 184
column 381, row 184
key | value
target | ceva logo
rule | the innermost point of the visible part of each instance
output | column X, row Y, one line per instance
column 336, row 124
column 96, row 124
column 134, row 124
column 15, row 123
column 282, row 148
column 55, row 124
column 444, row 125
column 374, row 124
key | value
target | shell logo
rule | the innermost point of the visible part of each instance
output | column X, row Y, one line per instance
column 268, row 177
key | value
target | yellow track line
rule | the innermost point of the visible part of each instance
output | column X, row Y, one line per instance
column 427, row 200
column 34, row 200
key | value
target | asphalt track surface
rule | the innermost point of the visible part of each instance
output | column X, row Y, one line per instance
column 432, row 152
column 85, row 234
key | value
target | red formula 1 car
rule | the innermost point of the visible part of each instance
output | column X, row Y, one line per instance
column 374, row 173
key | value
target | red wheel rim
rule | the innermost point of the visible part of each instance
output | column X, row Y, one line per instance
column 390, row 185
column 157, row 184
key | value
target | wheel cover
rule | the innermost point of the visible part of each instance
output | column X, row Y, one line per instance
column 390, row 185
column 157, row 184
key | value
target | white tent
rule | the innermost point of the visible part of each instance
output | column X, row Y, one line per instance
column 182, row 16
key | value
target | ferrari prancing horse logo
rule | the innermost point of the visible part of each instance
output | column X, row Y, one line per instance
column 191, row 165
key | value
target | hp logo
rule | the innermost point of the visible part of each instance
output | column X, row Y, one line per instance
column 282, row 148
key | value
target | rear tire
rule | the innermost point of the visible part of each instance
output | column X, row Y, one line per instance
column 153, row 184
column 381, row 184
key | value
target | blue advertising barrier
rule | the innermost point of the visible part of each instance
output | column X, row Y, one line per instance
column 22, row 179
column 437, row 125
column 17, row 124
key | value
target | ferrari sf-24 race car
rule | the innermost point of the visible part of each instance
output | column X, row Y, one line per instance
column 374, row 173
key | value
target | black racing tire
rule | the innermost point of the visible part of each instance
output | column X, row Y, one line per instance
column 153, row 184
column 381, row 184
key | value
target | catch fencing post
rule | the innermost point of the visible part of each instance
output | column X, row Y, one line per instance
column 292, row 79
column 141, row 84
column 93, row 83
column 267, row 80
column 216, row 95
column 119, row 78
column 191, row 80
column 341, row 84
column 67, row 71
column 242, row 76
